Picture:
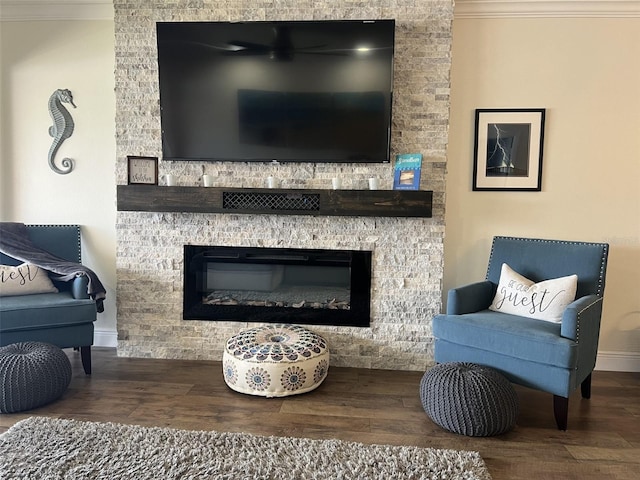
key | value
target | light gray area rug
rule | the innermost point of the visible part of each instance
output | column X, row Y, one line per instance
column 45, row 448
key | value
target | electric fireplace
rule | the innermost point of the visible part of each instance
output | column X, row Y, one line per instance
column 277, row 285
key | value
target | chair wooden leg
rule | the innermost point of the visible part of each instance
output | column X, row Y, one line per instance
column 585, row 387
column 85, row 355
column 561, row 411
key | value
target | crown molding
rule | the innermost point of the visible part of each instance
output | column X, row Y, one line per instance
column 31, row 10
column 27, row 10
column 546, row 8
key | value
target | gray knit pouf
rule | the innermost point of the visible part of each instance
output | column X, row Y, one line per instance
column 469, row 399
column 32, row 374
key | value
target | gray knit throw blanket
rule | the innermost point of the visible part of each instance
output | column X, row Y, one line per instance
column 15, row 242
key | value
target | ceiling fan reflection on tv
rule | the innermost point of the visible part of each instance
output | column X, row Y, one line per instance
column 280, row 49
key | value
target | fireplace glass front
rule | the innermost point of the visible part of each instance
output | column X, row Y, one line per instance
column 277, row 285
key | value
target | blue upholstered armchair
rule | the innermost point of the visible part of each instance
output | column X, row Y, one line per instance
column 64, row 319
column 552, row 356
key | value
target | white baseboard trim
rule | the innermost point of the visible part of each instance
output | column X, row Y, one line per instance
column 618, row 361
column 105, row 338
column 606, row 361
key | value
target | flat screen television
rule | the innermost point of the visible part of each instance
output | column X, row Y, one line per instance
column 286, row 91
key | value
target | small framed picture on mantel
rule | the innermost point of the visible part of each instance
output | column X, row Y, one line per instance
column 142, row 170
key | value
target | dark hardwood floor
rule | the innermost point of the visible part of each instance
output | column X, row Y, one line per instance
column 369, row 406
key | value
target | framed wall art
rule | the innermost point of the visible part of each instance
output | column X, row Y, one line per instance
column 142, row 170
column 508, row 149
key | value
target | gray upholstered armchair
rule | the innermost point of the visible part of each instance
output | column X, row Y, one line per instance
column 555, row 355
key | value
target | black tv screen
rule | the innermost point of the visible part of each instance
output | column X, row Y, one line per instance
column 302, row 91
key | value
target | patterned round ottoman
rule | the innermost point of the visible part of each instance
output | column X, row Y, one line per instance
column 275, row 361
column 32, row 374
column 469, row 399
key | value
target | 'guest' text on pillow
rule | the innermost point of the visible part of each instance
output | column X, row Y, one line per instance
column 25, row 279
column 545, row 300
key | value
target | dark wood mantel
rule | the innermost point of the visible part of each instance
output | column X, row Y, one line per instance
column 378, row 203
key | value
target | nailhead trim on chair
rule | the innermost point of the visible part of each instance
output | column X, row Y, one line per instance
column 32, row 374
column 563, row 242
column 64, row 226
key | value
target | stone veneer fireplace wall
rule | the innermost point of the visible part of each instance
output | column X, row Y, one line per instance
column 407, row 252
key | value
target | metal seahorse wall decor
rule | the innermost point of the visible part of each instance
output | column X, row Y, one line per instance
column 61, row 129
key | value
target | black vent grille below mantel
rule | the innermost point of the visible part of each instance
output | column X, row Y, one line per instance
column 260, row 201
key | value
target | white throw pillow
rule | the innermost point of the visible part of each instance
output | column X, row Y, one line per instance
column 25, row 279
column 546, row 300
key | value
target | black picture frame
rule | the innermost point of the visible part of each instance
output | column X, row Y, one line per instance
column 142, row 170
column 508, row 149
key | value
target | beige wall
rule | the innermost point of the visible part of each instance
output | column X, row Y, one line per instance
column 586, row 73
column 36, row 59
